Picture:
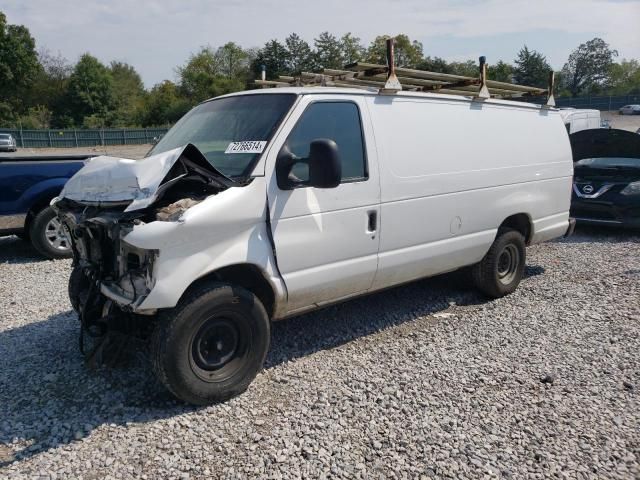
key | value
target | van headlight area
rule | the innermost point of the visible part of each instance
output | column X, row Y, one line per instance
column 122, row 272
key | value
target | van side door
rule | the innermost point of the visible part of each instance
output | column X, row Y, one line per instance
column 326, row 239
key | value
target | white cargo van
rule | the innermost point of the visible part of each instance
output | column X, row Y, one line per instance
column 265, row 204
column 576, row 120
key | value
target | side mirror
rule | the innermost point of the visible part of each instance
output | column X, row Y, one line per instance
column 324, row 165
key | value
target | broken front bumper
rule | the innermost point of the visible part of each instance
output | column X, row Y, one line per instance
column 123, row 273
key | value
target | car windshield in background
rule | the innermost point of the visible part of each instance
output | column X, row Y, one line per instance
column 4, row 136
column 230, row 132
column 609, row 162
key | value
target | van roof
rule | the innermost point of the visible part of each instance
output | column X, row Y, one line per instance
column 318, row 90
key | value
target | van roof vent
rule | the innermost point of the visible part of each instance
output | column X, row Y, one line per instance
column 389, row 79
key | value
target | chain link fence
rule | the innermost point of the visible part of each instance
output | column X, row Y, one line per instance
column 596, row 102
column 83, row 138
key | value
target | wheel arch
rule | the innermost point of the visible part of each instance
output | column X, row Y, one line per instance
column 40, row 204
column 520, row 222
column 245, row 275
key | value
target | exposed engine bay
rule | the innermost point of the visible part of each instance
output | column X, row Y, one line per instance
column 108, row 199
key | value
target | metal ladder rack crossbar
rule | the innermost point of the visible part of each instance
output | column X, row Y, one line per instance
column 389, row 79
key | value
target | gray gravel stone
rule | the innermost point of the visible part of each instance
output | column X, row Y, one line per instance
column 428, row 380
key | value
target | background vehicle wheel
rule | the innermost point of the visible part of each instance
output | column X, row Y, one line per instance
column 48, row 235
column 500, row 271
column 212, row 344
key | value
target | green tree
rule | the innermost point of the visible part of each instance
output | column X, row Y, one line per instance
column 49, row 88
column 90, row 91
column 233, row 61
column 407, row 53
column 128, row 95
column 197, row 75
column 624, row 77
column 435, row 64
column 164, row 105
column 37, row 117
column 275, row 58
column 206, row 74
column 501, row 72
column 18, row 67
column 299, row 55
column 588, row 67
column 351, row 48
column 467, row 69
column 328, row 51
column 531, row 68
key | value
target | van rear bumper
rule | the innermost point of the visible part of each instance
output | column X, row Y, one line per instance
column 548, row 228
column 571, row 227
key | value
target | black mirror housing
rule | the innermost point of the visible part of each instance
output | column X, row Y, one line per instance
column 325, row 167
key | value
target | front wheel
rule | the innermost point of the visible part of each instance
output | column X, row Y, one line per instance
column 500, row 271
column 212, row 344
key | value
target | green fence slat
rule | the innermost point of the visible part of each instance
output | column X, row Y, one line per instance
column 69, row 138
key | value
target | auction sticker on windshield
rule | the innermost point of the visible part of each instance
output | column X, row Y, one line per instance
column 249, row 146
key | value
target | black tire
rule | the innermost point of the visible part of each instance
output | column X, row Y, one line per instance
column 500, row 271
column 78, row 285
column 230, row 316
column 41, row 235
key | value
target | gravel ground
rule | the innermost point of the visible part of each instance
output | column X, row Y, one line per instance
column 426, row 380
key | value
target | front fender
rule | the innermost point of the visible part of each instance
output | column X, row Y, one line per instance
column 225, row 229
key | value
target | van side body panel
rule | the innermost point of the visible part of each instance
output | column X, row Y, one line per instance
column 452, row 171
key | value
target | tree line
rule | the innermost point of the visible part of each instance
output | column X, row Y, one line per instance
column 39, row 89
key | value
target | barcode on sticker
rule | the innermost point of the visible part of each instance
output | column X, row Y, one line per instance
column 249, row 146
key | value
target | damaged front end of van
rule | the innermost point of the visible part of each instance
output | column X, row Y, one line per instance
column 106, row 206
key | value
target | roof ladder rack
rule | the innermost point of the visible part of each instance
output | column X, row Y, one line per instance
column 484, row 90
column 551, row 101
column 390, row 79
column 392, row 85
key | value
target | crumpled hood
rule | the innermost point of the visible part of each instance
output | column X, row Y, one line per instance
column 111, row 180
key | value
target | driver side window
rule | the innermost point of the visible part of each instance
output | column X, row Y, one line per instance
column 337, row 121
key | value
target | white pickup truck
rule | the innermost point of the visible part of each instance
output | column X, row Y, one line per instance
column 265, row 204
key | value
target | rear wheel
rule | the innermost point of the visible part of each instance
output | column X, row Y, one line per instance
column 212, row 344
column 48, row 235
column 500, row 271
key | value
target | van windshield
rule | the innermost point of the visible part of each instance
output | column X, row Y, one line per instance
column 230, row 132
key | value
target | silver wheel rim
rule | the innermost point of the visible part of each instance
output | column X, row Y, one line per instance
column 56, row 235
column 508, row 263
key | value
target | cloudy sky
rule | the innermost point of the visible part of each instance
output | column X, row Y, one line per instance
column 157, row 35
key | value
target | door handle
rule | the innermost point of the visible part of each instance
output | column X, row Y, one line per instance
column 372, row 224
